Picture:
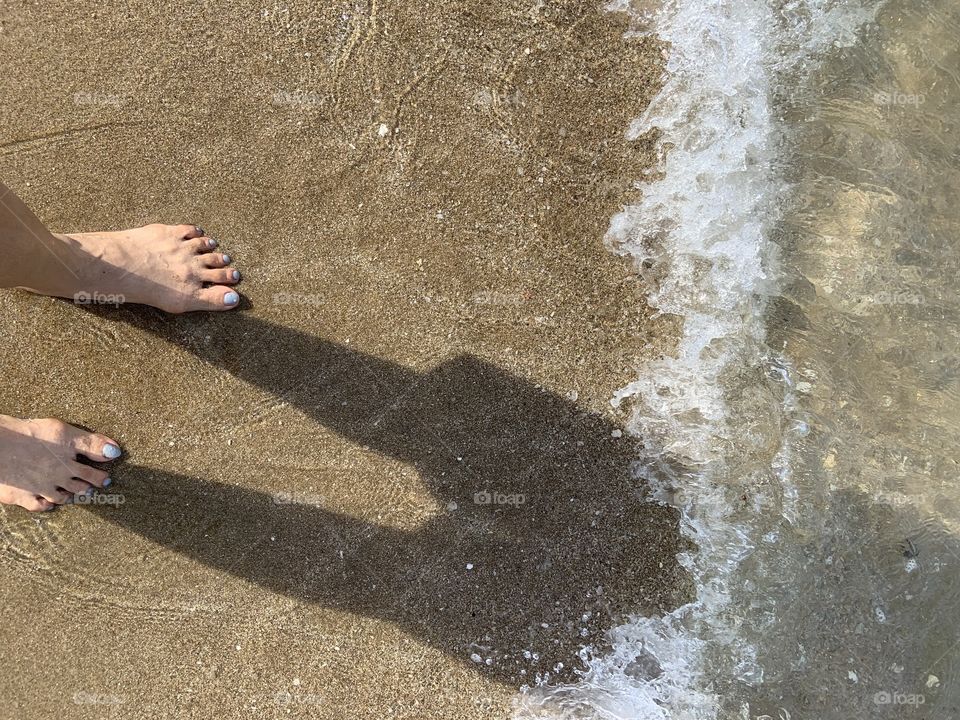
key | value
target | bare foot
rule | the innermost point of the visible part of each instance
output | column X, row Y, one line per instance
column 171, row 267
column 38, row 462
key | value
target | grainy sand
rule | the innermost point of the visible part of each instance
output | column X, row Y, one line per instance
column 417, row 194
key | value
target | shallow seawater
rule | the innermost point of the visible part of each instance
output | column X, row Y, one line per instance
column 867, row 553
column 807, row 229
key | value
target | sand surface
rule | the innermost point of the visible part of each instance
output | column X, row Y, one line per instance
column 417, row 194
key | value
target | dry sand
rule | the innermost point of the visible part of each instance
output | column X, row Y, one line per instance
column 417, row 194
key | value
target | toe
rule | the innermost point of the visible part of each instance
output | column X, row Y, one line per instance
column 88, row 475
column 189, row 231
column 56, row 496
column 75, row 487
column 215, row 260
column 223, row 276
column 201, row 244
column 216, row 297
column 98, row 448
column 33, row 503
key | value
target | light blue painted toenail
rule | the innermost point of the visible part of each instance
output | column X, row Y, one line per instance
column 106, row 483
column 236, row 274
column 226, row 259
column 111, row 451
column 231, row 298
column 211, row 243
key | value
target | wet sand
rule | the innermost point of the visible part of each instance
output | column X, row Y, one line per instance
column 417, row 196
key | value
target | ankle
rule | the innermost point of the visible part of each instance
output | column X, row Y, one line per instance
column 60, row 267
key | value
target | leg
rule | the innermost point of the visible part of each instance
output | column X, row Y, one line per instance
column 171, row 267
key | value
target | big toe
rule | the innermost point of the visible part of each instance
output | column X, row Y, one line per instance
column 216, row 297
column 98, row 448
column 29, row 501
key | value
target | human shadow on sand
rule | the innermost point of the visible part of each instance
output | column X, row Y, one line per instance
column 514, row 587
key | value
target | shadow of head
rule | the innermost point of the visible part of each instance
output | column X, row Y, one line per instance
column 542, row 542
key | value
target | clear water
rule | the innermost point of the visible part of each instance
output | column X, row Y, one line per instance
column 807, row 229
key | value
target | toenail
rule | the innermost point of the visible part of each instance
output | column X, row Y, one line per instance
column 236, row 274
column 199, row 230
column 211, row 243
column 226, row 259
column 111, row 451
column 231, row 298
column 106, row 483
